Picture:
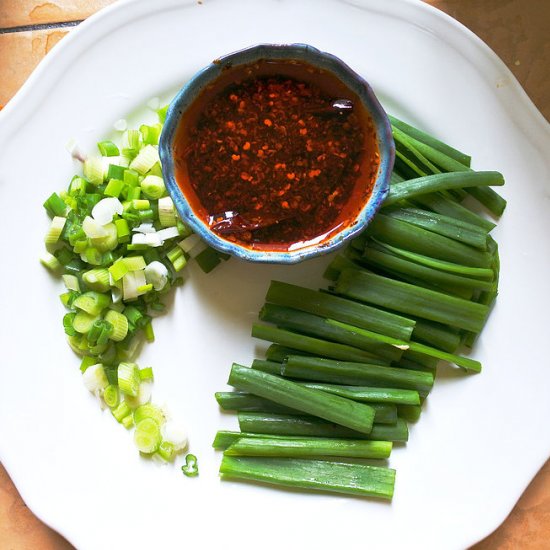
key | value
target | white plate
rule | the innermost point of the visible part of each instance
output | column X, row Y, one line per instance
column 481, row 438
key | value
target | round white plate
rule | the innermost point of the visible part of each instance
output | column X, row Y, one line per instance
column 481, row 438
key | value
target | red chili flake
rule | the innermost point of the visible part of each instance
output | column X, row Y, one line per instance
column 246, row 146
column 236, row 157
column 268, row 122
column 291, row 175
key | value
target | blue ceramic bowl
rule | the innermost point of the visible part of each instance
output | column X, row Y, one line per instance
column 300, row 52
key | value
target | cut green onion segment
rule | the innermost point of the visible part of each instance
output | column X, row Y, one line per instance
column 191, row 468
column 340, row 410
column 321, row 475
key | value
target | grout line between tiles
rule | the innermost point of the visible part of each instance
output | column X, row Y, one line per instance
column 41, row 27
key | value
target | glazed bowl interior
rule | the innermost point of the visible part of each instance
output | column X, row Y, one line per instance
column 309, row 55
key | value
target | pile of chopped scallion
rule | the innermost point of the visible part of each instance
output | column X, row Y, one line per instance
column 351, row 364
column 117, row 241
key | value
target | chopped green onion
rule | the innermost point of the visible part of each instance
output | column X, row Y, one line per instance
column 71, row 282
column 114, row 188
column 153, row 187
column 94, row 378
column 208, row 259
column 55, row 205
column 149, row 411
column 177, row 258
column 55, row 230
column 108, row 149
column 83, row 322
column 147, row 436
column 97, row 279
column 121, row 411
column 118, row 269
column 127, row 421
column 167, row 212
column 92, row 302
column 191, row 468
column 145, row 159
column 94, row 170
column 146, row 373
column 166, row 451
column 87, row 362
column 110, row 396
column 128, row 378
column 50, row 262
column 134, row 263
column 119, row 323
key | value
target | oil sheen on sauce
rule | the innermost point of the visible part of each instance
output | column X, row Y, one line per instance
column 276, row 155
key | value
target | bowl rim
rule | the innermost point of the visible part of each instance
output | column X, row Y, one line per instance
column 300, row 52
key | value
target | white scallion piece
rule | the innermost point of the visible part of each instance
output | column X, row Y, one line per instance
column 175, row 434
column 120, row 125
column 156, row 273
column 143, row 395
column 145, row 160
column 131, row 282
column 104, row 211
column 116, row 295
column 50, row 261
column 94, row 170
column 75, row 151
column 168, row 233
column 189, row 243
column 153, row 187
column 128, row 379
column 56, row 228
column 94, row 378
column 154, row 103
column 71, row 282
column 148, row 239
column 167, row 212
column 93, row 229
column 144, row 228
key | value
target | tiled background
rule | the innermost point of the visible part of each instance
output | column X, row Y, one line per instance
column 518, row 30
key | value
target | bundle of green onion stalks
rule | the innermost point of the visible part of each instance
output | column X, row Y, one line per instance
column 118, row 243
column 351, row 364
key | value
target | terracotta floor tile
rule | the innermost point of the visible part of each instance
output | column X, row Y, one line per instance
column 20, row 52
column 19, row 528
column 528, row 526
column 519, row 36
column 15, row 13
